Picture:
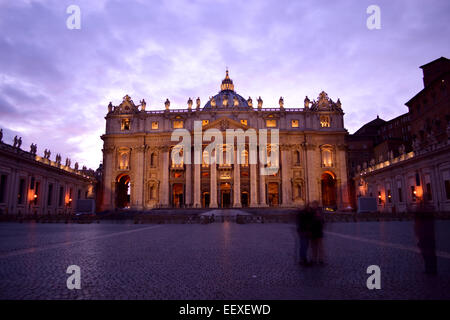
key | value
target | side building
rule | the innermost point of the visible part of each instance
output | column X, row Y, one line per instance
column 417, row 171
column 31, row 184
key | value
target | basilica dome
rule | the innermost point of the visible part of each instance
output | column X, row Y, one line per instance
column 227, row 97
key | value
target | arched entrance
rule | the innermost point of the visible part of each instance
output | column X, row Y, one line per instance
column 328, row 182
column 225, row 195
column 273, row 194
column 123, row 191
column 177, row 195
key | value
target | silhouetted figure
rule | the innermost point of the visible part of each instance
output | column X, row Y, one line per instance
column 304, row 224
column 424, row 231
column 317, row 237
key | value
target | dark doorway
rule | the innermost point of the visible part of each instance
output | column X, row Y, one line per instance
column 328, row 182
column 123, row 192
column 225, row 195
column 244, row 199
column 205, row 199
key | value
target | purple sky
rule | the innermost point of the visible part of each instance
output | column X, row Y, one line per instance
column 56, row 83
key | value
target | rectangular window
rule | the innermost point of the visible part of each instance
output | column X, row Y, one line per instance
column 21, row 194
column 126, row 125
column 294, row 123
column 3, row 188
column 155, row 125
column 447, row 189
column 271, row 123
column 50, row 194
column 379, row 197
column 32, row 183
column 79, row 194
column 400, row 197
column 389, row 196
column 61, row 196
column 205, row 122
column 325, row 121
column 244, row 122
column 178, row 124
column 429, row 195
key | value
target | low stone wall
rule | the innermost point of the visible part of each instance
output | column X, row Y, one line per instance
column 195, row 216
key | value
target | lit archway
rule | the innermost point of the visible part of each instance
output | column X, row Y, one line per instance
column 328, row 184
column 123, row 191
column 273, row 192
column 177, row 195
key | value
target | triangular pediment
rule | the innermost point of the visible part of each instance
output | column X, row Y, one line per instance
column 225, row 123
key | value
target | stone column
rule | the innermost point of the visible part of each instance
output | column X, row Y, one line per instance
column 197, row 186
column 12, row 191
column 311, row 171
column 262, row 190
column 237, row 181
column 137, row 200
column 164, row 191
column 286, row 188
column 188, row 185
column 343, row 184
column 213, row 187
column 253, row 187
column 108, row 179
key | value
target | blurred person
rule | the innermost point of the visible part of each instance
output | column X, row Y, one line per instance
column 317, row 237
column 425, row 234
column 304, row 222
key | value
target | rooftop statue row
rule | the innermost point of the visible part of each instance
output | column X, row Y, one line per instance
column 33, row 151
column 228, row 98
column 323, row 103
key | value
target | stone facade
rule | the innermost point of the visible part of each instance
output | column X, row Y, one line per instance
column 31, row 184
column 139, row 171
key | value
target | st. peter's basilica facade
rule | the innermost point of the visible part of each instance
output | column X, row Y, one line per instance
column 139, row 171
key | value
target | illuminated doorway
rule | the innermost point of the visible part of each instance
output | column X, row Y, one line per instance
column 273, row 194
column 328, row 182
column 177, row 195
column 123, row 191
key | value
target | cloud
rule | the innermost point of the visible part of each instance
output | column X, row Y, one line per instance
column 55, row 83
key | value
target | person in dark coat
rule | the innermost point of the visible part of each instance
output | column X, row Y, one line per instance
column 425, row 234
column 317, row 237
column 304, row 221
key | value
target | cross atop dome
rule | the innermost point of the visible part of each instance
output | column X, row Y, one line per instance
column 227, row 83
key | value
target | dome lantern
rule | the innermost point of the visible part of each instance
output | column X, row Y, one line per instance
column 227, row 83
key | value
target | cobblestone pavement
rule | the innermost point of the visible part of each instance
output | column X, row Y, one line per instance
column 215, row 261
